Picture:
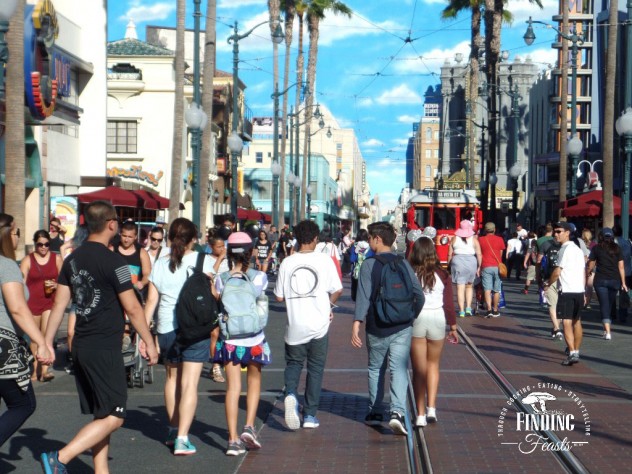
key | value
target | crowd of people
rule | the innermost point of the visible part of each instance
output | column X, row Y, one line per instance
column 106, row 281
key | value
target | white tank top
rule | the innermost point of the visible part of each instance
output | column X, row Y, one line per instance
column 463, row 248
column 434, row 297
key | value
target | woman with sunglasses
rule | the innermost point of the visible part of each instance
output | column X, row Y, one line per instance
column 40, row 270
column 16, row 389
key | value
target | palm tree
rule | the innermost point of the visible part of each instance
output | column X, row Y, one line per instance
column 14, row 122
column 274, row 8
column 289, row 7
column 608, row 115
column 178, row 115
column 315, row 13
column 208, row 71
column 301, row 8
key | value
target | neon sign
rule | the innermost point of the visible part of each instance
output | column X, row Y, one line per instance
column 135, row 172
column 40, row 31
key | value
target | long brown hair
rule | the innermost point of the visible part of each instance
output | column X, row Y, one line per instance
column 6, row 242
column 181, row 234
column 425, row 262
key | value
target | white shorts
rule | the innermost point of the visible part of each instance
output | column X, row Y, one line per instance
column 430, row 324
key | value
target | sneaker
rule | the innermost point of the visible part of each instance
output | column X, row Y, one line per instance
column 567, row 351
column 292, row 419
column 524, row 291
column 468, row 311
column 310, row 421
column 172, row 434
column 461, row 314
column 431, row 414
column 607, row 336
column 559, row 334
column 571, row 359
column 495, row 314
column 51, row 464
column 373, row 419
column 398, row 424
column 421, row 421
column 70, row 369
column 183, row 448
column 490, row 314
column 587, row 307
column 235, row 448
column 249, row 438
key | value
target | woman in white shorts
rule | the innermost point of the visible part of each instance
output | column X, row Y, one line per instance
column 429, row 327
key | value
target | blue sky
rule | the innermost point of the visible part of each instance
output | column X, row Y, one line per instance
column 369, row 76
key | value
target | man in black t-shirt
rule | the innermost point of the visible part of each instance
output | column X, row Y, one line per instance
column 101, row 287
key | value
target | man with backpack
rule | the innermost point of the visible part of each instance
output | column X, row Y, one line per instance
column 548, row 251
column 388, row 300
column 308, row 282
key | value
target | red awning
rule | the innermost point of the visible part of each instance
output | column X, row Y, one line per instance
column 589, row 205
column 152, row 200
column 253, row 215
column 117, row 196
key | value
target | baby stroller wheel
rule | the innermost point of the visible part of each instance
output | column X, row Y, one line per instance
column 130, row 377
column 149, row 374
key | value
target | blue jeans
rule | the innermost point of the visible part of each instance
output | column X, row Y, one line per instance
column 394, row 350
column 315, row 351
column 606, row 294
column 19, row 406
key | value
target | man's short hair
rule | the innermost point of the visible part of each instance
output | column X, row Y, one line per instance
column 97, row 215
column 129, row 225
column 305, row 232
column 549, row 228
column 157, row 229
column 384, row 230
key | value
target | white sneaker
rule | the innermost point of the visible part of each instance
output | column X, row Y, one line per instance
column 421, row 421
column 431, row 414
column 607, row 336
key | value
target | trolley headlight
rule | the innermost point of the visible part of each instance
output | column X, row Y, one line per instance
column 444, row 240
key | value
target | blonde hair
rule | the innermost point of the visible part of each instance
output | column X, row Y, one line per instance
column 587, row 236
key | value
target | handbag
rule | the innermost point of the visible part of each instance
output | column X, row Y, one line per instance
column 502, row 268
column 332, row 254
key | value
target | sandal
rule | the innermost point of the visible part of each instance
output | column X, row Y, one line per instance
column 216, row 374
column 47, row 377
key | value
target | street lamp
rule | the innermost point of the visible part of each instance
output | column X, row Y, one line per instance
column 309, row 191
column 624, row 129
column 277, row 37
column 514, row 172
column 592, row 177
column 196, row 119
column 276, row 172
column 574, row 149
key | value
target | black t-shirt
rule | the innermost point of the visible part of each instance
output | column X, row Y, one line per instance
column 56, row 243
column 96, row 276
column 280, row 248
column 607, row 265
column 263, row 249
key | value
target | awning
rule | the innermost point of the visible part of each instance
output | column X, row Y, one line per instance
column 120, row 197
column 152, row 200
column 589, row 205
column 252, row 215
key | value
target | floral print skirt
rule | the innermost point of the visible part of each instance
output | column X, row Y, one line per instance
column 259, row 354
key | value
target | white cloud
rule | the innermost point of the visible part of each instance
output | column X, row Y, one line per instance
column 407, row 119
column 401, row 94
column 144, row 13
column 364, row 102
column 233, row 4
column 373, row 142
column 335, row 28
column 432, row 60
column 400, row 141
column 523, row 9
column 544, row 58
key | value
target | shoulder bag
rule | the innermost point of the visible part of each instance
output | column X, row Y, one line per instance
column 502, row 268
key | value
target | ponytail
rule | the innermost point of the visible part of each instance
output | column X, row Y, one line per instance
column 181, row 234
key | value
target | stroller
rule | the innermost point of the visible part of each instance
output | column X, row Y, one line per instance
column 136, row 368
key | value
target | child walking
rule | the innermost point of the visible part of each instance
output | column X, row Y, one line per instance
column 250, row 352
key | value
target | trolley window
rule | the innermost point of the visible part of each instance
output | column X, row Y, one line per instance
column 444, row 218
column 422, row 217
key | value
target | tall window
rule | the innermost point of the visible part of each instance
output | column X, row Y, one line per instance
column 122, row 136
column 428, row 135
column 428, row 172
column 259, row 157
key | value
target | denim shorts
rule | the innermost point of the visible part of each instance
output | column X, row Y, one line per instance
column 174, row 353
column 491, row 279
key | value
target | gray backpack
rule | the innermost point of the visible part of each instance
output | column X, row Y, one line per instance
column 244, row 314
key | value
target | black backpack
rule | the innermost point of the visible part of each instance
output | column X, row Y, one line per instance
column 549, row 259
column 197, row 311
column 392, row 295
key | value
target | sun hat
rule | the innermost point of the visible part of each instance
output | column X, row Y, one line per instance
column 239, row 242
column 465, row 229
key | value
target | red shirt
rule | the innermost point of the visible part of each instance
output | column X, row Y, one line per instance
column 492, row 248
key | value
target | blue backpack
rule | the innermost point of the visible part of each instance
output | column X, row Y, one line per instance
column 244, row 314
column 392, row 295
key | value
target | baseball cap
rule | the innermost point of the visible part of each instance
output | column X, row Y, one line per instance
column 607, row 232
column 490, row 227
column 239, row 242
column 566, row 226
column 160, row 220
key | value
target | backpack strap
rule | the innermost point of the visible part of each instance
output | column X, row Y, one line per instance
column 199, row 263
column 376, row 273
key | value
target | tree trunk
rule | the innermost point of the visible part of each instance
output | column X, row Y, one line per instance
column 312, row 60
column 563, row 112
column 178, row 116
column 207, row 163
column 300, row 66
column 473, row 96
column 15, row 157
column 608, row 116
column 275, row 14
column 290, row 14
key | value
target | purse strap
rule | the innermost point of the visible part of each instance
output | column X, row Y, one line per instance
column 490, row 248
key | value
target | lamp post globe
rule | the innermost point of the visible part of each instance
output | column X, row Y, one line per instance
column 196, row 120
column 493, row 179
column 7, row 9
column 575, row 146
column 235, row 145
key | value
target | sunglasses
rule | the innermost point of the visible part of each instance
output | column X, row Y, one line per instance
column 42, row 244
column 559, row 231
column 156, row 240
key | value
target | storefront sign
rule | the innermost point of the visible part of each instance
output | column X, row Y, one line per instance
column 135, row 172
column 40, row 84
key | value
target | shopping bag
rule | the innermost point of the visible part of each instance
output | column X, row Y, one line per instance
column 501, row 301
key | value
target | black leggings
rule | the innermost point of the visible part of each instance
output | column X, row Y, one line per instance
column 19, row 406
